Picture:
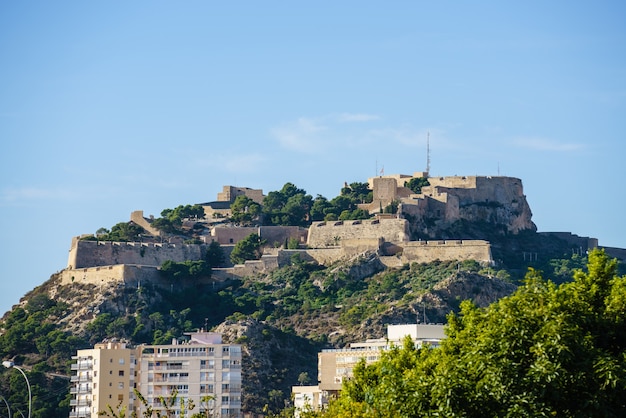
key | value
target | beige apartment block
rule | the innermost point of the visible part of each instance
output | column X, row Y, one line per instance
column 101, row 376
column 336, row 365
column 201, row 370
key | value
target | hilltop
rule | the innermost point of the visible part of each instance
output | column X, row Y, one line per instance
column 318, row 285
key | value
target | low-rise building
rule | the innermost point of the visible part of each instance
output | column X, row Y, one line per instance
column 336, row 365
column 308, row 398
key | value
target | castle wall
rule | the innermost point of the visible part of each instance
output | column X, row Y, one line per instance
column 230, row 193
column 456, row 182
column 619, row 253
column 358, row 246
column 323, row 256
column 129, row 275
column 103, row 253
column 385, row 192
column 138, row 218
column 413, row 251
column 427, row 251
column 272, row 234
column 329, row 234
column 584, row 243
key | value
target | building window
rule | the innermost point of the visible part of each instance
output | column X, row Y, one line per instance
column 121, row 361
column 120, row 373
column 120, row 398
column 120, row 385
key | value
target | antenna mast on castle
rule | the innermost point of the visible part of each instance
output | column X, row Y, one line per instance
column 428, row 153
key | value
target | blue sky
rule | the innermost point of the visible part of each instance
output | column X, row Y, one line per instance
column 110, row 107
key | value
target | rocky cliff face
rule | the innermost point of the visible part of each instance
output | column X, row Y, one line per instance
column 496, row 202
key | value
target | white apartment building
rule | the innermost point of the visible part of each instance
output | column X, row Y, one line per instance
column 201, row 371
column 336, row 365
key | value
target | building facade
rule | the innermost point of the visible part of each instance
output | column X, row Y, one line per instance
column 336, row 365
column 102, row 376
column 201, row 372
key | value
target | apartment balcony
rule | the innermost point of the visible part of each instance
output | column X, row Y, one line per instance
column 168, row 393
column 81, row 378
column 80, row 389
column 83, row 365
column 80, row 402
column 168, row 379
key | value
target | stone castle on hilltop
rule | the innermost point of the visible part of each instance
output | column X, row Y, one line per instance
column 415, row 233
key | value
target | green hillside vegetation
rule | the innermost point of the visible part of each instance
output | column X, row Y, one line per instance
column 296, row 307
column 282, row 318
column 544, row 351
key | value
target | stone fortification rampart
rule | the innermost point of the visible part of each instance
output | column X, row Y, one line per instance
column 472, row 189
column 103, row 253
column 138, row 218
column 455, row 182
column 127, row 274
column 332, row 233
column 585, row 243
column 427, row 251
column 274, row 235
column 124, row 274
column 230, row 193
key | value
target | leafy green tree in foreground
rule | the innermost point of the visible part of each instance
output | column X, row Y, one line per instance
column 544, row 351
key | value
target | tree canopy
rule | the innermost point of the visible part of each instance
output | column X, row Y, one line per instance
column 546, row 350
column 248, row 248
column 172, row 219
column 416, row 184
column 244, row 210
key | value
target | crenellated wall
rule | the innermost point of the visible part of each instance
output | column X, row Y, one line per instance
column 104, row 253
column 427, row 251
column 332, row 233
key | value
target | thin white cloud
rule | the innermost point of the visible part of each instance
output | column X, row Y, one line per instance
column 232, row 162
column 243, row 163
column 301, row 135
column 409, row 136
column 31, row 193
column 357, row 117
column 311, row 134
column 28, row 195
column 544, row 144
